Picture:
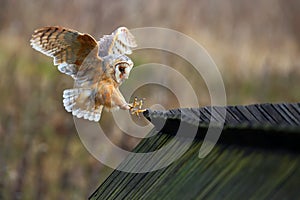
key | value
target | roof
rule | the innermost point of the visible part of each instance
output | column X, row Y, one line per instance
column 257, row 156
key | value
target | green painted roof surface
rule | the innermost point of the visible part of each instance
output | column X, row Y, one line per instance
column 236, row 168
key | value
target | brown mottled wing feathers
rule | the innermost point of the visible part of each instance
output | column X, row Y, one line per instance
column 69, row 48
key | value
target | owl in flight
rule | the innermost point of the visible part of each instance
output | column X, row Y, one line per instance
column 97, row 67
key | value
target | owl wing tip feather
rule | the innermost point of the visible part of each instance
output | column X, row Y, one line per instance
column 68, row 48
column 121, row 41
column 87, row 112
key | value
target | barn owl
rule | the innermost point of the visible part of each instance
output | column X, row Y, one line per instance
column 97, row 67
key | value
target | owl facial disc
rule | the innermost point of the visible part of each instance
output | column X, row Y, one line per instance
column 122, row 71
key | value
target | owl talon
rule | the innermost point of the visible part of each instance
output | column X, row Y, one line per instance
column 134, row 104
column 136, row 107
column 137, row 112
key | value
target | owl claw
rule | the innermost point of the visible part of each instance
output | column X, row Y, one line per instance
column 136, row 107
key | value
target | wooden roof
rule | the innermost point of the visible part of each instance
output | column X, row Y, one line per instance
column 257, row 156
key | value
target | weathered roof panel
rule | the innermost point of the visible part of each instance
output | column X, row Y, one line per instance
column 257, row 156
column 255, row 116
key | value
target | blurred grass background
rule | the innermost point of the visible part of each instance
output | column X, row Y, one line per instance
column 255, row 44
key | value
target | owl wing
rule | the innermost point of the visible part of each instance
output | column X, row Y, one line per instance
column 119, row 42
column 69, row 48
column 76, row 54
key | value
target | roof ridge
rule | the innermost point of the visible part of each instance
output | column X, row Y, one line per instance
column 279, row 116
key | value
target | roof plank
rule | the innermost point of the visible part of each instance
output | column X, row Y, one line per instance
column 257, row 156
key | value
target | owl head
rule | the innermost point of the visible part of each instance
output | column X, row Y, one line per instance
column 117, row 66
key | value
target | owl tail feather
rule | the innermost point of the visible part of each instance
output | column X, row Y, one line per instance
column 81, row 103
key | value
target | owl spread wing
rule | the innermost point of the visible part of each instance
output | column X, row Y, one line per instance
column 119, row 42
column 76, row 54
column 69, row 48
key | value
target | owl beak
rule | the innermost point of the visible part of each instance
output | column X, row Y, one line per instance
column 126, row 76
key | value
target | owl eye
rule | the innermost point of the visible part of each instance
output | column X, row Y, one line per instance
column 122, row 69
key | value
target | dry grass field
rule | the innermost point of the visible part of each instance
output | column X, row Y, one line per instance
column 255, row 44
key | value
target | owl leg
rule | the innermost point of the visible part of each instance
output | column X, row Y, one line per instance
column 136, row 107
